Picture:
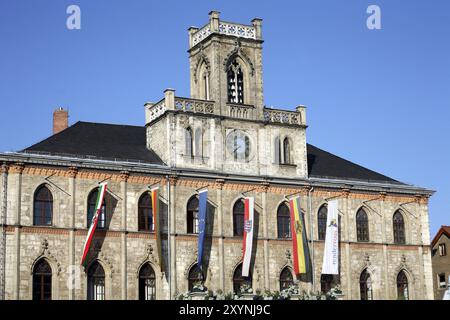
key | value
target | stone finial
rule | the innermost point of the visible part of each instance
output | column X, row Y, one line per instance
column 257, row 24
column 169, row 97
column 214, row 21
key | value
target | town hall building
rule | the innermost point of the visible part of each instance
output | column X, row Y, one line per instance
column 222, row 138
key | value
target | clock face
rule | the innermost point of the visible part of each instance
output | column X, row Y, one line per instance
column 238, row 145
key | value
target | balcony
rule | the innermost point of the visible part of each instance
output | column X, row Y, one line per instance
column 230, row 110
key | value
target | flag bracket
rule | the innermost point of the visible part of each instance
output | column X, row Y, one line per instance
column 105, row 180
column 55, row 185
column 243, row 193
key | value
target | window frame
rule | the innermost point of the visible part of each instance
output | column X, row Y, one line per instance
column 145, row 221
column 362, row 226
column 43, row 207
column 284, row 220
column 238, row 218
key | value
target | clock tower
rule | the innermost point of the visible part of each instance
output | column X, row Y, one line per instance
column 225, row 127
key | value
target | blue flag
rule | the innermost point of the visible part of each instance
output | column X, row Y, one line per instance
column 203, row 197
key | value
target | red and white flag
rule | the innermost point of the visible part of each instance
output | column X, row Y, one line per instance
column 249, row 203
column 98, row 207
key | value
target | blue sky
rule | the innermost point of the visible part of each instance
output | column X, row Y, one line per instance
column 380, row 98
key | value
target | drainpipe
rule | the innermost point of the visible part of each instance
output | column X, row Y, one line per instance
column 168, row 237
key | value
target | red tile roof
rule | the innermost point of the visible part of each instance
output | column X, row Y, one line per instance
column 443, row 230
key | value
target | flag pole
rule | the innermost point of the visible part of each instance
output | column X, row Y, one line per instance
column 311, row 227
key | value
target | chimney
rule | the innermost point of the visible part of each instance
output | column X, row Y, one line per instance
column 60, row 120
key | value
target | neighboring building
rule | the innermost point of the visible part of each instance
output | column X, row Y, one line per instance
column 223, row 138
column 441, row 262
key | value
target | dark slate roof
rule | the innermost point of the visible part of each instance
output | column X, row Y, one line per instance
column 322, row 164
column 98, row 140
column 124, row 142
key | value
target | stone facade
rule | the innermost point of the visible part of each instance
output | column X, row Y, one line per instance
column 122, row 249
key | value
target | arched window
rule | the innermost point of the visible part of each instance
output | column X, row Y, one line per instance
column 42, row 281
column 277, row 150
column 195, row 277
column 145, row 213
column 147, row 283
column 286, row 279
column 362, row 226
column 326, row 282
column 402, row 286
column 283, row 221
column 189, row 142
column 238, row 218
column 365, row 286
column 92, row 202
column 235, row 78
column 239, row 280
column 43, row 207
column 399, row 228
column 286, row 151
column 199, row 142
column 322, row 222
column 96, row 282
column 192, row 215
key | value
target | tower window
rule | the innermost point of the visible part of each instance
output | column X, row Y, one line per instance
column 235, row 83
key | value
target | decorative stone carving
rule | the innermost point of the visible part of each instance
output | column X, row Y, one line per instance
column 47, row 254
column 238, row 52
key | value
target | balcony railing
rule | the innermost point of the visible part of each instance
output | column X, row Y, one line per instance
column 231, row 110
column 285, row 117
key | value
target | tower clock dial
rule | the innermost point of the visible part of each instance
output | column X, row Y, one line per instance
column 239, row 145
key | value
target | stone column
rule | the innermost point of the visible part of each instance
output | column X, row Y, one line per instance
column 3, row 207
column 73, row 171
column 426, row 280
column 384, row 240
column 347, row 286
column 16, row 171
column 219, row 187
column 172, row 237
column 264, row 188
column 124, row 175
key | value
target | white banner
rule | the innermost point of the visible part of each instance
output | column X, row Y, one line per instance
column 248, row 235
column 331, row 251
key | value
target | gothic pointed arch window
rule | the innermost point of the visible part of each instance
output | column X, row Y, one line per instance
column 96, row 282
column 402, row 286
column 189, row 142
column 239, row 281
column 238, row 218
column 199, row 142
column 92, row 202
column 322, row 222
column 42, row 280
column 192, row 215
column 235, row 80
column 286, row 151
column 145, row 213
column 362, row 226
column 365, row 286
column 398, row 227
column 43, row 207
column 277, row 145
column 147, row 283
column 283, row 221
column 286, row 278
column 195, row 276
